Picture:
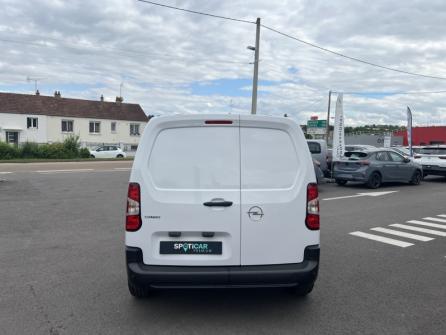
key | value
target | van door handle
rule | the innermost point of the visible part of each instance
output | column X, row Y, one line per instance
column 218, row 203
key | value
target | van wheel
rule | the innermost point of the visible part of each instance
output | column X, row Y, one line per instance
column 302, row 290
column 341, row 182
column 374, row 180
column 138, row 291
column 416, row 178
column 91, row 156
column 119, row 156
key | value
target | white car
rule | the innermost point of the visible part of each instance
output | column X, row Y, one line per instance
column 433, row 160
column 107, row 151
column 222, row 201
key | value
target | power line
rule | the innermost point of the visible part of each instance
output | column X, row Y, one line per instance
column 351, row 58
column 298, row 40
column 392, row 93
column 196, row 12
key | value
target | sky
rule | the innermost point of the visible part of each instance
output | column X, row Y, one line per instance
column 171, row 61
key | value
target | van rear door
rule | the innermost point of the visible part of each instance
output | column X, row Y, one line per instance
column 190, row 192
column 276, row 168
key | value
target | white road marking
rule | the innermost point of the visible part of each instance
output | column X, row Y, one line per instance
column 403, row 234
column 382, row 239
column 442, row 215
column 428, row 224
column 435, row 219
column 6, row 172
column 63, row 171
column 421, row 230
column 368, row 194
column 122, row 169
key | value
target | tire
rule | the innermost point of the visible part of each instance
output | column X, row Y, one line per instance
column 119, row 156
column 302, row 290
column 416, row 178
column 138, row 291
column 92, row 156
column 341, row 182
column 375, row 180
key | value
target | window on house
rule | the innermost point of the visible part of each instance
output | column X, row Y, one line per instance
column 67, row 126
column 134, row 129
column 113, row 127
column 32, row 122
column 95, row 127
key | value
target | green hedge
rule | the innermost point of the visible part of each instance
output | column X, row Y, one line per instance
column 69, row 149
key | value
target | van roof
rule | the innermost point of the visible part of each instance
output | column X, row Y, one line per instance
column 233, row 117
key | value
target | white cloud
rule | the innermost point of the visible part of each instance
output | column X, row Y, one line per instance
column 90, row 47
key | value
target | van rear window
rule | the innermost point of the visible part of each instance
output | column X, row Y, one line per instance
column 196, row 158
column 269, row 159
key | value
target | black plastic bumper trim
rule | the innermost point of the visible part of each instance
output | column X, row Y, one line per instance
column 276, row 275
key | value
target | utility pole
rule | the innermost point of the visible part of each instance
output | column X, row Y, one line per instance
column 327, row 131
column 255, row 79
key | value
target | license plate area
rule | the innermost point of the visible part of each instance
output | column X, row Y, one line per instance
column 191, row 248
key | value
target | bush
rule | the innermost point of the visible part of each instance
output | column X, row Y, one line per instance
column 84, row 153
column 53, row 150
column 8, row 151
column 71, row 146
column 29, row 150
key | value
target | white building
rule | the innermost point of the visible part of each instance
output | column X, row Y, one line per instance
column 47, row 119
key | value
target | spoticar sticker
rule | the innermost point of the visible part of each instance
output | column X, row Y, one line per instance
column 190, row 248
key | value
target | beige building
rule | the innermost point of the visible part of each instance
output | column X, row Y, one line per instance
column 47, row 119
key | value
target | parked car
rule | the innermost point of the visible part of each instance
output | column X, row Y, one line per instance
column 359, row 147
column 222, row 201
column 107, row 151
column 376, row 167
column 318, row 149
column 318, row 172
column 433, row 160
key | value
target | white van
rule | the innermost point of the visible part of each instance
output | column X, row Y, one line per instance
column 222, row 201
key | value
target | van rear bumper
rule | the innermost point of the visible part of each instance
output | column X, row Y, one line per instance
column 280, row 275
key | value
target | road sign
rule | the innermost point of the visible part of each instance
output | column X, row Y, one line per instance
column 317, row 123
column 316, row 131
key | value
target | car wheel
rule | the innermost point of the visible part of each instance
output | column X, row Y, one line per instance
column 139, row 291
column 416, row 178
column 302, row 290
column 92, row 156
column 341, row 182
column 374, row 180
column 119, row 156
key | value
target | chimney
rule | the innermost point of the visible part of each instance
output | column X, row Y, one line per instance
column 37, row 92
column 119, row 99
column 102, row 97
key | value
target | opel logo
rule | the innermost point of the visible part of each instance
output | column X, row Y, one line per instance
column 255, row 213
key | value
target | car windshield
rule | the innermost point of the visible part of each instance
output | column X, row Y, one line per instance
column 355, row 155
column 403, row 151
column 433, row 151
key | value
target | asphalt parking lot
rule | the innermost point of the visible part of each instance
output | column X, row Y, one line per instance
column 63, row 272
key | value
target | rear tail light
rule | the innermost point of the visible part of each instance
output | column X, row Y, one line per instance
column 364, row 162
column 133, row 215
column 312, row 219
column 416, row 157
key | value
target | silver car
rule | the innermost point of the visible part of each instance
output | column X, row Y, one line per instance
column 375, row 167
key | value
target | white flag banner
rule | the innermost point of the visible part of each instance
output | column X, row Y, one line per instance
column 338, row 134
column 409, row 130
